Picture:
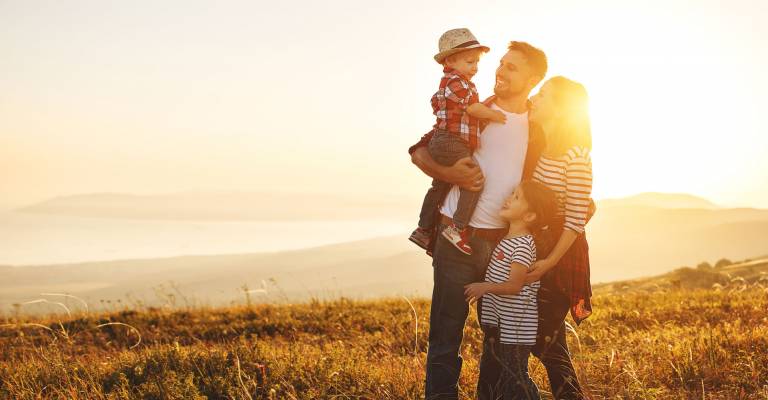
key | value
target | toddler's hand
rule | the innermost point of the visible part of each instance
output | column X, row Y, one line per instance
column 498, row 116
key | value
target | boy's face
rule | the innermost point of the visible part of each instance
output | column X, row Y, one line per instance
column 515, row 207
column 464, row 62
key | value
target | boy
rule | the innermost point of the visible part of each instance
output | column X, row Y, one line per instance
column 457, row 108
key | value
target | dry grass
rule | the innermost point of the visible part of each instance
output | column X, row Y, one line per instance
column 697, row 344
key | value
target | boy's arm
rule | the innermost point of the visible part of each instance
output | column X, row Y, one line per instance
column 513, row 285
column 481, row 111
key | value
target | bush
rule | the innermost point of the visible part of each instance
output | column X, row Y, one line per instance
column 723, row 262
column 704, row 266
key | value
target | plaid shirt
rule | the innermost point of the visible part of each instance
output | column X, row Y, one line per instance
column 449, row 104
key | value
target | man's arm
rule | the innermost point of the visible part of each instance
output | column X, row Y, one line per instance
column 464, row 172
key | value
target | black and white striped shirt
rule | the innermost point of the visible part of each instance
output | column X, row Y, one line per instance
column 570, row 177
column 515, row 315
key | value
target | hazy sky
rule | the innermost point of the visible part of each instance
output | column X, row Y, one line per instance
column 155, row 97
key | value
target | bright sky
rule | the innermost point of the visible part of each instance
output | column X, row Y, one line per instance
column 155, row 97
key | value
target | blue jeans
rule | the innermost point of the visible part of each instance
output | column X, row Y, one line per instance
column 452, row 271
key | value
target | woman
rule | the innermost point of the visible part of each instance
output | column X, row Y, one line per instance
column 561, row 110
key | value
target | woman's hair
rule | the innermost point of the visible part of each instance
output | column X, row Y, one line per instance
column 572, row 104
column 542, row 201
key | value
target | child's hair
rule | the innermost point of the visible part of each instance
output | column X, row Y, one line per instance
column 543, row 202
column 479, row 51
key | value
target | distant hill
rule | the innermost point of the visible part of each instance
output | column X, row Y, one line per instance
column 661, row 200
column 364, row 269
column 627, row 241
column 731, row 277
column 222, row 206
column 261, row 206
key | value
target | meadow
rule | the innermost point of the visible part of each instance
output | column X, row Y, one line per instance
column 639, row 344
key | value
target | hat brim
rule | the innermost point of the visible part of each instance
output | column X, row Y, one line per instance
column 440, row 57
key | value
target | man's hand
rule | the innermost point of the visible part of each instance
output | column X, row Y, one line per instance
column 466, row 174
column 474, row 291
column 537, row 270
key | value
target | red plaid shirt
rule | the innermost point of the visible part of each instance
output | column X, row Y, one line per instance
column 450, row 104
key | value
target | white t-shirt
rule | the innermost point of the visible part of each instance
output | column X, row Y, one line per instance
column 501, row 157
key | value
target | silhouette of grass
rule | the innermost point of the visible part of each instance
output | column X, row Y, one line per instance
column 637, row 345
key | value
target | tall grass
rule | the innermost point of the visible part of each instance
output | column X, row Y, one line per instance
column 678, row 344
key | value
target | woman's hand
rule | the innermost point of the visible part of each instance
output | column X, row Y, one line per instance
column 537, row 270
column 474, row 291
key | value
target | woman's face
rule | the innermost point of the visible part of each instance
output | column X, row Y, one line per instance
column 543, row 105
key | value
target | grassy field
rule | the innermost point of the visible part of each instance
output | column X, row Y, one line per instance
column 680, row 343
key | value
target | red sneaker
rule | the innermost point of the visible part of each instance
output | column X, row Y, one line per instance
column 459, row 238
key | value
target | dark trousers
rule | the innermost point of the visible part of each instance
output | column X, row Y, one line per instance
column 551, row 347
column 449, row 310
column 504, row 370
column 446, row 148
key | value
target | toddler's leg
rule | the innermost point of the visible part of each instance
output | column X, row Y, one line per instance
column 466, row 207
column 446, row 149
column 429, row 215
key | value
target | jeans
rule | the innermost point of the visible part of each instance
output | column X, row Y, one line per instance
column 551, row 347
column 452, row 270
column 504, row 370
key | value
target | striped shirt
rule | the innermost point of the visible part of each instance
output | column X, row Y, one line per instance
column 516, row 315
column 570, row 177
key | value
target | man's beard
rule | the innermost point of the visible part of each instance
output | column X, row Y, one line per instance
column 507, row 92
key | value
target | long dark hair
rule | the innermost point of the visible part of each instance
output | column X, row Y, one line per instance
column 542, row 201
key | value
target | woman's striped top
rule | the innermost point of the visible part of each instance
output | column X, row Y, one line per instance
column 570, row 176
column 517, row 316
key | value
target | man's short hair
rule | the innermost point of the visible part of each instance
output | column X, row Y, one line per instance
column 535, row 57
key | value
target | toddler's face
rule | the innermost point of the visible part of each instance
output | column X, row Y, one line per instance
column 464, row 62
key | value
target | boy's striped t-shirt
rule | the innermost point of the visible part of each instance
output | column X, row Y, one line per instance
column 515, row 315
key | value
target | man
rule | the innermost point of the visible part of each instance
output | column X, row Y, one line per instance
column 507, row 154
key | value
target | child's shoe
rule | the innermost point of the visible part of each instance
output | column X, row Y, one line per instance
column 421, row 237
column 459, row 238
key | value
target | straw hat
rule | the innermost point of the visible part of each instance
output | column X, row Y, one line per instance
column 456, row 41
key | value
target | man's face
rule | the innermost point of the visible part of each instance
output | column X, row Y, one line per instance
column 513, row 76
